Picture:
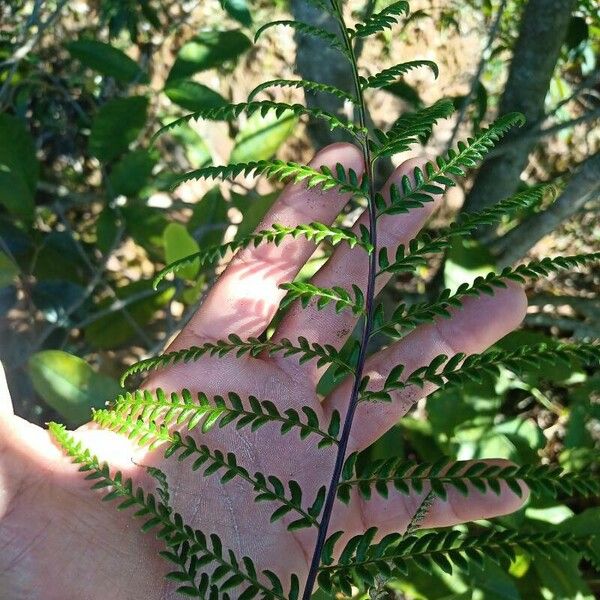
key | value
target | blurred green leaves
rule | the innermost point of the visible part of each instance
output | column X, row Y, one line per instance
column 179, row 244
column 69, row 385
column 131, row 174
column 117, row 124
column 107, row 60
column 467, row 259
column 207, row 50
column 193, row 96
column 116, row 327
column 238, row 9
column 261, row 137
column 8, row 270
column 19, row 169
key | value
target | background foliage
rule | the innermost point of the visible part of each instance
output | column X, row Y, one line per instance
column 87, row 217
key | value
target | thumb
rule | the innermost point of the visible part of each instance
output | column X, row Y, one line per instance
column 6, row 406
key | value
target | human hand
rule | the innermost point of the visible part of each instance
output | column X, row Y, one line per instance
column 57, row 541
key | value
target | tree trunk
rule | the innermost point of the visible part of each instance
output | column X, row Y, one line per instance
column 583, row 187
column 316, row 61
column 543, row 29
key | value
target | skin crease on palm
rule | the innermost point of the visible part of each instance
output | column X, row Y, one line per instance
column 59, row 542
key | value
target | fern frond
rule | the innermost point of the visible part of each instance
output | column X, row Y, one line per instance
column 182, row 410
column 411, row 128
column 331, row 38
column 264, row 107
column 410, row 477
column 343, row 299
column 201, row 550
column 380, row 21
column 388, row 76
column 313, row 232
column 361, row 561
column 462, row 369
column 279, row 170
column 433, row 178
column 311, row 86
column 408, row 259
column 324, row 355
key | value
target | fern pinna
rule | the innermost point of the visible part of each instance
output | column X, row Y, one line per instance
column 176, row 421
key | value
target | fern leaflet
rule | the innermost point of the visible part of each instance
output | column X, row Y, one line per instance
column 408, row 259
column 404, row 319
column 306, row 292
column 388, row 76
column 361, row 560
column 461, row 369
column 410, row 477
column 182, row 410
column 380, row 21
column 310, row 86
column 263, row 107
column 411, row 128
column 323, row 354
column 270, row 489
column 314, row 232
column 280, row 170
column 433, row 179
column 333, row 40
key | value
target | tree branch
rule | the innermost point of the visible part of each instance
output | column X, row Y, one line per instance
column 484, row 58
column 583, row 187
column 542, row 31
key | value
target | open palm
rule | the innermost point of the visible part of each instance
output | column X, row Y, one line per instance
column 57, row 541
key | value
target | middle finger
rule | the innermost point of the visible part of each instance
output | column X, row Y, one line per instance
column 349, row 266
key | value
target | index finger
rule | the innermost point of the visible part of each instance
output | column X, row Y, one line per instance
column 246, row 296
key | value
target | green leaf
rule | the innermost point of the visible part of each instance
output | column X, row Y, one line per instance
column 238, row 9
column 467, row 260
column 261, row 137
column 145, row 225
column 117, row 124
column 209, row 219
column 405, row 92
column 209, row 49
column 69, row 385
column 196, row 150
column 115, row 329
column 131, row 174
column 578, row 32
column 8, row 270
column 193, row 96
column 586, row 525
column 179, row 244
column 19, row 168
column 107, row 60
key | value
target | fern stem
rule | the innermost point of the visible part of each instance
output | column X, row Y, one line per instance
column 368, row 322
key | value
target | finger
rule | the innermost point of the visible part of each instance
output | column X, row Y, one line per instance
column 472, row 328
column 247, row 295
column 6, row 407
column 398, row 510
column 351, row 265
